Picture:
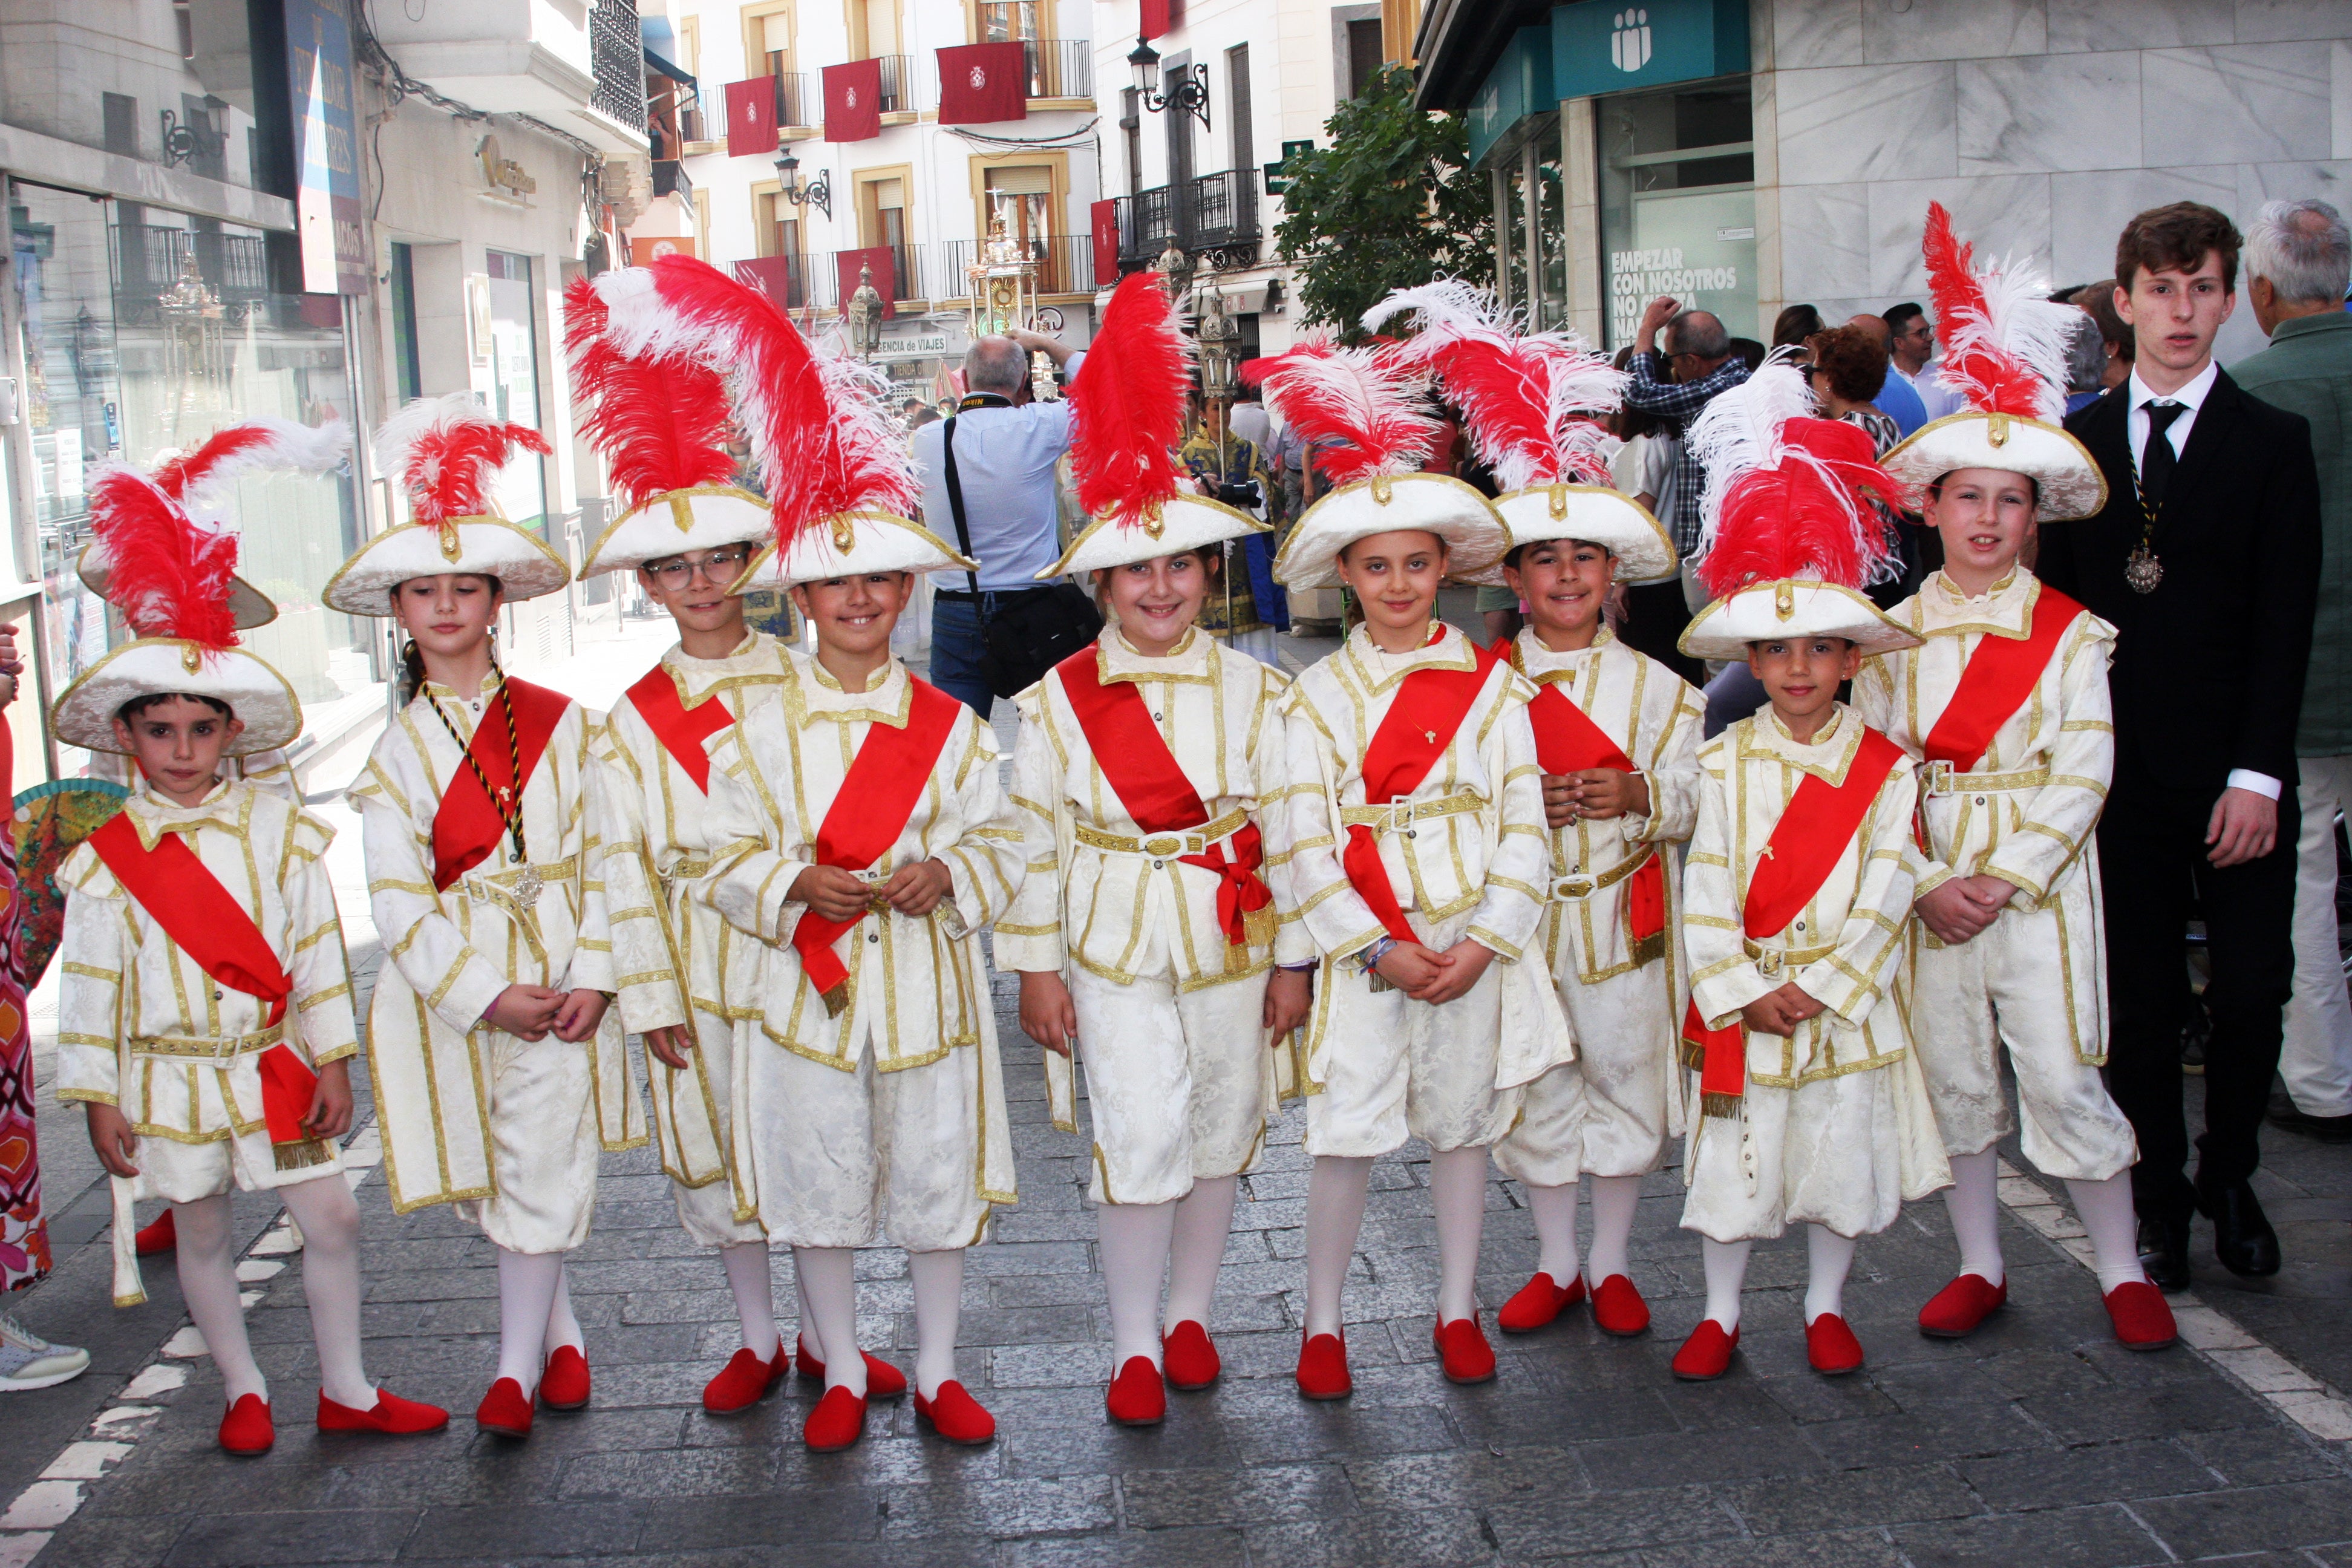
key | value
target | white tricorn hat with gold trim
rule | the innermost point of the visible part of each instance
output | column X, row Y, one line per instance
column 1790, row 539
column 1532, row 402
column 661, row 422
column 443, row 453
column 841, row 489
column 2005, row 344
column 1362, row 413
column 1127, row 413
column 173, row 579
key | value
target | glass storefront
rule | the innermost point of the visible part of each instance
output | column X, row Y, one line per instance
column 1679, row 205
column 521, row 486
column 145, row 332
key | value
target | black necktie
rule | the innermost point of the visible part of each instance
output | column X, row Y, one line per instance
column 2157, row 460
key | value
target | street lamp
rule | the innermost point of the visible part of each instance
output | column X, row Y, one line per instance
column 1188, row 90
column 1219, row 333
column 788, row 173
column 864, row 314
column 1175, row 267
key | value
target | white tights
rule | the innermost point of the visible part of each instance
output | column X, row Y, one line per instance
column 1973, row 1199
column 330, row 1285
column 1336, row 1192
column 747, row 1276
column 1830, row 1255
column 828, row 1282
column 1614, row 1200
column 534, row 1315
column 1185, row 1240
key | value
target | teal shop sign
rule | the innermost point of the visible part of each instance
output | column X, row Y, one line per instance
column 1617, row 45
column 1518, row 86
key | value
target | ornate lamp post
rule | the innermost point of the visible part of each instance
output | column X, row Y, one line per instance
column 864, row 314
column 1175, row 265
column 788, row 181
column 1188, row 90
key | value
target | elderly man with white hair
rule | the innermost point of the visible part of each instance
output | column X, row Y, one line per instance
column 2298, row 268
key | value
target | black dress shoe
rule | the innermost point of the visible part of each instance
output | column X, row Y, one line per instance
column 2242, row 1238
column 2326, row 1129
column 2164, row 1252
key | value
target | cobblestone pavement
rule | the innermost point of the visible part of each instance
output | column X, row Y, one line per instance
column 2037, row 1442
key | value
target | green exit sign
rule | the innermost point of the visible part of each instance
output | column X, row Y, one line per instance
column 1276, row 181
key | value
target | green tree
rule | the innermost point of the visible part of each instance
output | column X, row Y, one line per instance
column 1390, row 204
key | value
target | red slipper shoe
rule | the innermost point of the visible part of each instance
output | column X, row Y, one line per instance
column 1139, row 1395
column 956, row 1415
column 1706, row 1355
column 164, row 1235
column 745, row 1381
column 1189, row 1357
column 1539, row 1301
column 2142, row 1317
column 390, row 1415
column 504, row 1410
column 563, row 1382
column 1463, row 1350
column 1959, row 1309
column 245, row 1429
column 883, row 1381
column 1323, row 1368
column 1618, row 1309
column 1830, row 1346
column 837, row 1423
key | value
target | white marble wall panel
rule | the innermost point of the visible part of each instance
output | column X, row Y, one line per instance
column 1811, row 32
column 1953, row 30
column 1824, row 241
column 2265, row 21
column 2245, row 103
column 2003, row 215
column 2330, row 181
column 2088, row 211
column 2339, row 98
column 1865, row 122
column 2078, row 25
column 2048, row 112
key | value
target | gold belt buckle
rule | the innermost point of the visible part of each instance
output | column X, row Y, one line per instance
column 1768, row 962
column 1576, row 885
column 1162, row 846
column 1939, row 776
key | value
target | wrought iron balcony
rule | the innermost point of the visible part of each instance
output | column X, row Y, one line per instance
column 1211, row 212
column 617, row 60
column 1065, row 265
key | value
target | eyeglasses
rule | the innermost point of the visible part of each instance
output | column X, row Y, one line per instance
column 718, row 567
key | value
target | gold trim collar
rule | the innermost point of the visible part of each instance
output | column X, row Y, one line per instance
column 1826, row 757
column 2005, row 610
column 1376, row 673
column 154, row 814
column 1116, row 659
column 890, row 700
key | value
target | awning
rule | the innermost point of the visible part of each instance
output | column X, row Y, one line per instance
column 661, row 67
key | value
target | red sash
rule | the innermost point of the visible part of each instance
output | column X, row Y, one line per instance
column 1569, row 742
column 1143, row 773
column 467, row 826
column 879, row 793
column 180, row 893
column 680, row 729
column 1429, row 708
column 1814, row 829
column 1999, row 676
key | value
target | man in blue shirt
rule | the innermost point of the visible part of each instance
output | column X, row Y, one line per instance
column 1006, row 446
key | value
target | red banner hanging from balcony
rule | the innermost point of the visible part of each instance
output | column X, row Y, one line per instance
column 853, row 101
column 1159, row 17
column 772, row 276
column 884, row 264
column 1105, row 215
column 751, row 118
column 981, row 84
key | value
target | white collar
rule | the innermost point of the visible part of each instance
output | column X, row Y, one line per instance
column 2193, row 394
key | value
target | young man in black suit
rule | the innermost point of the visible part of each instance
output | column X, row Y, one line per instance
column 2205, row 559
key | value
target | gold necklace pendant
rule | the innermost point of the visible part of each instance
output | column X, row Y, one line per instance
column 2143, row 571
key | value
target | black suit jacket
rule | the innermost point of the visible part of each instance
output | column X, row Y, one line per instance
column 2207, row 673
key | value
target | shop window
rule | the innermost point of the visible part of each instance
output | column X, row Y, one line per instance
column 1679, row 205
column 514, row 383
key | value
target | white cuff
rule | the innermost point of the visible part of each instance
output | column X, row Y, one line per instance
column 2262, row 785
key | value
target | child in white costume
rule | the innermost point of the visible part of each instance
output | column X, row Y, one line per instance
column 1798, row 880
column 205, row 1016
column 498, row 1076
column 1149, row 779
column 2006, row 702
column 862, row 838
column 1617, row 736
column 1419, row 854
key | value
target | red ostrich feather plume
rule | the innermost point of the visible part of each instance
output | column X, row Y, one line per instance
column 444, row 451
column 169, row 577
column 258, row 443
column 1127, row 405
column 1364, row 399
column 661, row 424
column 2004, row 340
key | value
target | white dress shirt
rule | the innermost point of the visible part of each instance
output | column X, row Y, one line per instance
column 2136, row 428
column 1006, row 460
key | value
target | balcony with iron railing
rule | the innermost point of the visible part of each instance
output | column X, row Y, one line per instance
column 796, row 99
column 160, row 270
column 1064, row 265
column 1210, row 212
column 925, row 275
column 900, row 84
column 617, row 60
column 579, row 67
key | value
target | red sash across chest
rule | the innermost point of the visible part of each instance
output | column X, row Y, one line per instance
column 2001, row 674
column 680, row 729
column 1569, row 742
column 467, row 824
column 1133, row 755
column 180, row 894
column 1429, row 708
column 1820, row 820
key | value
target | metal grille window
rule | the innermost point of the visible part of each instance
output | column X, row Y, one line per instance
column 617, row 57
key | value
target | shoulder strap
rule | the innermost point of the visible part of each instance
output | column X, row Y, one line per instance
column 955, row 501
column 1816, row 825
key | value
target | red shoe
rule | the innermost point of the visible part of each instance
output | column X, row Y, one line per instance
column 883, row 1381
column 1463, row 1350
column 245, row 1429
column 1323, row 1368
column 1618, row 1309
column 745, row 1381
column 1706, row 1355
column 1139, row 1395
column 1189, row 1357
column 1539, row 1300
column 563, row 1382
column 164, row 1235
column 956, row 1415
column 1830, row 1346
column 1959, row 1309
column 392, row 1414
column 837, row 1423
column 2142, row 1318
column 504, row 1410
